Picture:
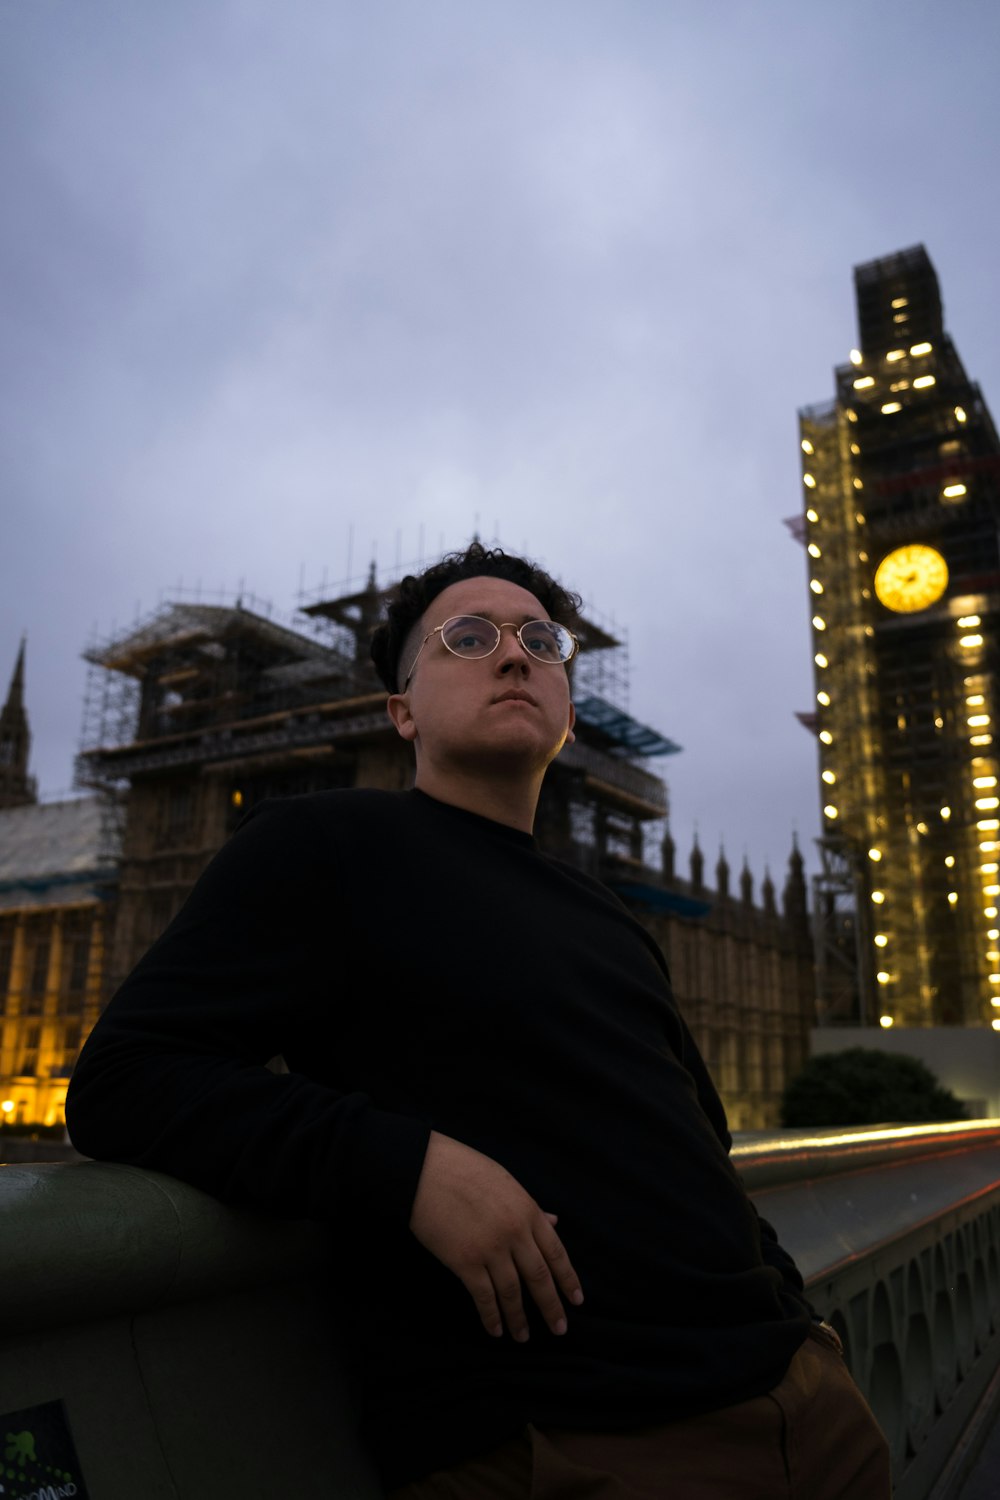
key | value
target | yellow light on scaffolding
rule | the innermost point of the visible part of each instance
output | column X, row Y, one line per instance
column 882, row 976
column 993, row 934
column 949, row 861
column 818, row 622
column 946, row 812
column 859, row 518
column 829, row 777
column 878, row 897
column 895, row 354
column 900, row 385
column 989, row 911
column 980, row 739
column 975, row 700
column 826, row 736
column 863, row 382
column 855, row 449
column 809, row 481
column 859, row 484
column 900, row 302
column 960, row 413
column 995, row 1024
column 918, row 349
column 988, row 825
column 970, row 640
column 938, row 722
column 952, row 898
column 984, row 781
column 921, row 827
column 852, row 416
column 880, row 939
column 977, row 721
column 856, row 356
column 813, row 550
column 815, row 585
column 823, row 698
column 829, row 810
column 807, row 446
column 820, row 660
column 889, row 407
column 812, row 515
column 875, row 854
column 987, row 804
column 953, row 491
column 990, row 869
column 885, row 1022
column 923, row 381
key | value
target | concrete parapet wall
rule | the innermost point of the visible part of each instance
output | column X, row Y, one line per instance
column 193, row 1346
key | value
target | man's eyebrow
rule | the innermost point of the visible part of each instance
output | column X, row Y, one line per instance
column 493, row 615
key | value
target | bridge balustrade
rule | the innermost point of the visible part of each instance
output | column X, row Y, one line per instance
column 186, row 1348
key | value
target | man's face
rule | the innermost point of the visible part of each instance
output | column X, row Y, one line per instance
column 506, row 710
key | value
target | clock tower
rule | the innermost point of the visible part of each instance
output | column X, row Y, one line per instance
column 901, row 514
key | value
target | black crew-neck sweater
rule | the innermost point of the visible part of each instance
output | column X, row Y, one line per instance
column 420, row 967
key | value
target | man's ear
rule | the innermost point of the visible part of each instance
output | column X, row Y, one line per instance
column 398, row 708
column 570, row 736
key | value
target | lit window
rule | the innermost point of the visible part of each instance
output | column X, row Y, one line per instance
column 960, row 413
column 820, row 660
column 823, row 698
column 813, row 550
column 863, row 382
column 829, row 777
column 900, row 317
column 855, row 356
column 826, row 736
column 953, row 491
column 878, row 897
column 815, row 585
column 918, row 349
column 829, row 810
column 900, row 385
column 812, row 515
column 807, row 446
column 895, row 354
column 900, row 302
column 809, row 481
column 880, row 939
column 922, row 382
column 891, row 406
column 818, row 622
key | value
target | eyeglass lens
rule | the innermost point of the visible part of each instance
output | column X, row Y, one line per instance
column 472, row 637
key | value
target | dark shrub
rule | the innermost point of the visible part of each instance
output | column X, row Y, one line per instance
column 865, row 1087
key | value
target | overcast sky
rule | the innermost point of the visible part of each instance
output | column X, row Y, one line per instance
column 286, row 286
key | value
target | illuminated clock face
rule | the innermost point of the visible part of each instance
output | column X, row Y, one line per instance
column 911, row 578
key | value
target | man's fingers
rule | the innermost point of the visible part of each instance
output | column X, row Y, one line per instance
column 559, row 1263
column 538, row 1280
column 507, row 1284
column 480, row 1288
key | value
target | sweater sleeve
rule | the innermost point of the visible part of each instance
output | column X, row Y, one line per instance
column 174, row 1074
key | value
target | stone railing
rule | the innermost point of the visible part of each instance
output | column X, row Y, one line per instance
column 168, row 1347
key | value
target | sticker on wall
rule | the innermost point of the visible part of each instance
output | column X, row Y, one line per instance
column 37, row 1458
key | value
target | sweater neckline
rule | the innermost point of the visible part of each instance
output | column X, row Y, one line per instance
column 462, row 814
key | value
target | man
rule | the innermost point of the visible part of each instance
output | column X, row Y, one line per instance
column 558, row 1285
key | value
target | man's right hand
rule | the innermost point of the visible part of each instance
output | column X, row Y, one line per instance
column 479, row 1222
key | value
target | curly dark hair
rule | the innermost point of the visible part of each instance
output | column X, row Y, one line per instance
column 416, row 592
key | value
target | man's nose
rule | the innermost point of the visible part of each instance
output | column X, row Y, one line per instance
column 510, row 652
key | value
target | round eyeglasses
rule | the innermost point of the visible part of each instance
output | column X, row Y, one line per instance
column 472, row 637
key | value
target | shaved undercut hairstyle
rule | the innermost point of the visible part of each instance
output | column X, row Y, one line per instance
column 416, row 592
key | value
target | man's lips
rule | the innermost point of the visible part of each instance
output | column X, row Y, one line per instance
column 516, row 695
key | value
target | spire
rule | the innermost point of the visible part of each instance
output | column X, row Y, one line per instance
column 746, row 884
column 16, row 786
column 668, row 852
column 794, row 896
column 722, row 873
column 697, row 866
column 767, row 894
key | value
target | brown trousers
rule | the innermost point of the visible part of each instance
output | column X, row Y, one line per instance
column 812, row 1438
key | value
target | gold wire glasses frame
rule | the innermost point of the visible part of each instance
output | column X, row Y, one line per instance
column 470, row 637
